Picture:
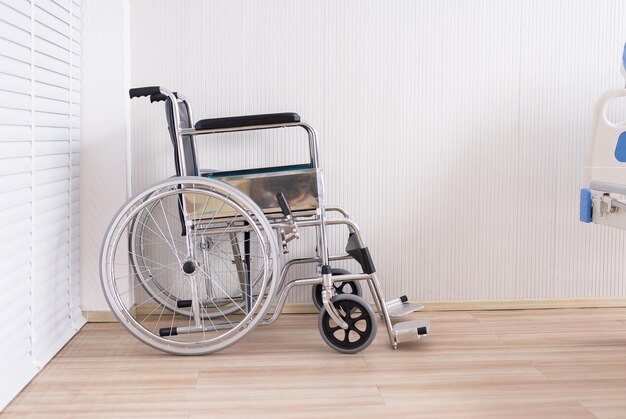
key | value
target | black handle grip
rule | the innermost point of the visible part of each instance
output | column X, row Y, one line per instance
column 144, row 91
column 168, row 331
column 284, row 206
column 160, row 97
column 183, row 303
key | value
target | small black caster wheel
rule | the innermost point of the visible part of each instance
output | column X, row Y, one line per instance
column 349, row 287
column 361, row 320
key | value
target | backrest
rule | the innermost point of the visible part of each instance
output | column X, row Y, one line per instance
column 189, row 149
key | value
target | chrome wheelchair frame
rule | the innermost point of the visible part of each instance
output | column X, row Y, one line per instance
column 273, row 225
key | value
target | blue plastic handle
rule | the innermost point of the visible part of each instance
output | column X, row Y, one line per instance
column 585, row 205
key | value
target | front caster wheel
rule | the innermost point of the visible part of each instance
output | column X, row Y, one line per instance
column 348, row 287
column 361, row 320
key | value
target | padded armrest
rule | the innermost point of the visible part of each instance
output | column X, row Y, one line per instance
column 248, row 121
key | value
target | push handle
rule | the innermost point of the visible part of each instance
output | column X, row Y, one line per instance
column 144, row 91
column 284, row 206
column 160, row 97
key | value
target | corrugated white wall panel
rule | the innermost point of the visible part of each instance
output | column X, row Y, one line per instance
column 452, row 131
column 38, row 188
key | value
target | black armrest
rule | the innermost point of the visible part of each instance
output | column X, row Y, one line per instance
column 248, row 121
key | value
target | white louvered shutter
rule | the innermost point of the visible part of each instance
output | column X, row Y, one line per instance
column 39, row 212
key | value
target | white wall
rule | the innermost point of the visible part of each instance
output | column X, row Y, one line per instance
column 453, row 131
column 40, row 84
column 105, row 117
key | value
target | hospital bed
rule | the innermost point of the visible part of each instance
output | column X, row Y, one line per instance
column 603, row 200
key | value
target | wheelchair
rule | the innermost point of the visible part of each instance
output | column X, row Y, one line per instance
column 192, row 264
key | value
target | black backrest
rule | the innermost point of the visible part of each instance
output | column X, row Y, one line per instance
column 189, row 150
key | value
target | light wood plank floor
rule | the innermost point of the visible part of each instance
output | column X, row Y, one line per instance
column 536, row 363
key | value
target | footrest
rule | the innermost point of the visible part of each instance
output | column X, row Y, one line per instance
column 411, row 330
column 400, row 306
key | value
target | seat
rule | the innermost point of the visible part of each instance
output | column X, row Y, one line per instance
column 248, row 121
column 255, row 171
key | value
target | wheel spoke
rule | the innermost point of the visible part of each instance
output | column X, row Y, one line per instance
column 348, row 309
column 341, row 286
column 360, row 333
column 148, row 306
column 361, row 317
column 334, row 329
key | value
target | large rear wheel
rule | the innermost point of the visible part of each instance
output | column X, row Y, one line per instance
column 189, row 266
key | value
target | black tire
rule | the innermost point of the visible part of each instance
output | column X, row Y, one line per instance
column 348, row 287
column 362, row 325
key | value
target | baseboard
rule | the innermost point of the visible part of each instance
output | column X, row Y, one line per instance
column 475, row 305
column 520, row 304
column 463, row 305
column 93, row 316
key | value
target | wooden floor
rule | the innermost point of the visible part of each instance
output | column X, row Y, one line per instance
column 536, row 363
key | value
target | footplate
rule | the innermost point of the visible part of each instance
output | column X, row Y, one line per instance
column 401, row 306
column 411, row 330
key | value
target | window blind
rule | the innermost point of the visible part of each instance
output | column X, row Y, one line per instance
column 39, row 185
